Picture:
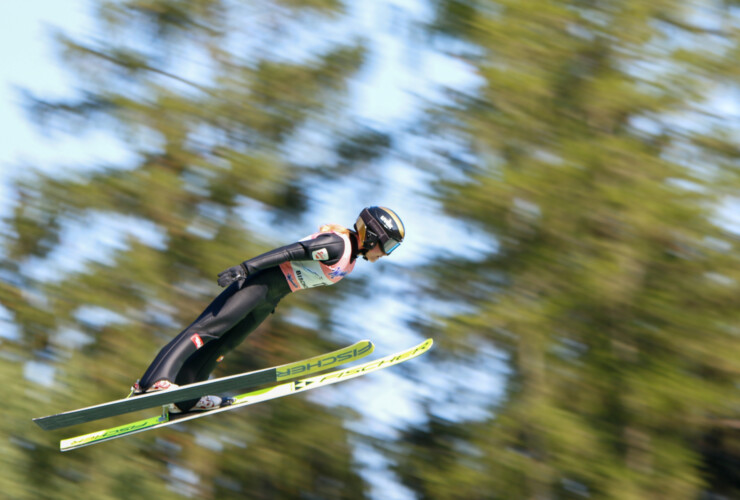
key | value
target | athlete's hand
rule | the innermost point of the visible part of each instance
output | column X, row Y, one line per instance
column 232, row 274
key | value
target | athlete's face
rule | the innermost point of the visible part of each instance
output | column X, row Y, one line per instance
column 375, row 253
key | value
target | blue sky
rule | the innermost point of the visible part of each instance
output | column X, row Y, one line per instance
column 29, row 63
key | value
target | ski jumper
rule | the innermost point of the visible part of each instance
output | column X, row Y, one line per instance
column 319, row 259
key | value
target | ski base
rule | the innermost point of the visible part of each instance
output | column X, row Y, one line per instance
column 247, row 399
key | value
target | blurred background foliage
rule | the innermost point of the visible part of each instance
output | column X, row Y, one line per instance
column 593, row 166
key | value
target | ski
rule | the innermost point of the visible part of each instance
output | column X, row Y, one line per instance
column 194, row 391
column 248, row 398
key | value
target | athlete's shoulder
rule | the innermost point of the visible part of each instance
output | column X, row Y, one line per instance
column 325, row 246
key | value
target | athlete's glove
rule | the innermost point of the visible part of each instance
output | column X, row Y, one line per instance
column 232, row 274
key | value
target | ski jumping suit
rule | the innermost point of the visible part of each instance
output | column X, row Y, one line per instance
column 319, row 259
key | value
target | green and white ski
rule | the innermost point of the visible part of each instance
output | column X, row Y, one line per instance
column 194, row 391
column 247, row 399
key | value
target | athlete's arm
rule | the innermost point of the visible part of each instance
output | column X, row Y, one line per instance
column 327, row 248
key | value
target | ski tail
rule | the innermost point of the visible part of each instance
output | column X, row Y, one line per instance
column 249, row 398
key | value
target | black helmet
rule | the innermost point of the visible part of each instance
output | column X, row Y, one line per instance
column 380, row 225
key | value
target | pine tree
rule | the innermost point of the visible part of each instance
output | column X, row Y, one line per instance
column 594, row 159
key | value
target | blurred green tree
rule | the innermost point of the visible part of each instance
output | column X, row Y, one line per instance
column 207, row 97
column 596, row 154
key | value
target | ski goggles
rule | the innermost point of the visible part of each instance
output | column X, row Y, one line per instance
column 387, row 243
column 390, row 245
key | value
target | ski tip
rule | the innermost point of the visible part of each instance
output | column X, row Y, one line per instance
column 364, row 344
column 424, row 346
column 369, row 345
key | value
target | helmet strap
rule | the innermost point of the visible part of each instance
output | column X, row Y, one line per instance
column 355, row 241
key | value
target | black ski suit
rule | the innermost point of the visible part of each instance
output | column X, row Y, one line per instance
column 193, row 354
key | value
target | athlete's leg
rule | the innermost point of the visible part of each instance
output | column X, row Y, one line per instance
column 226, row 311
column 199, row 366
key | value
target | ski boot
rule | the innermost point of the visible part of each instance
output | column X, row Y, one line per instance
column 160, row 385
